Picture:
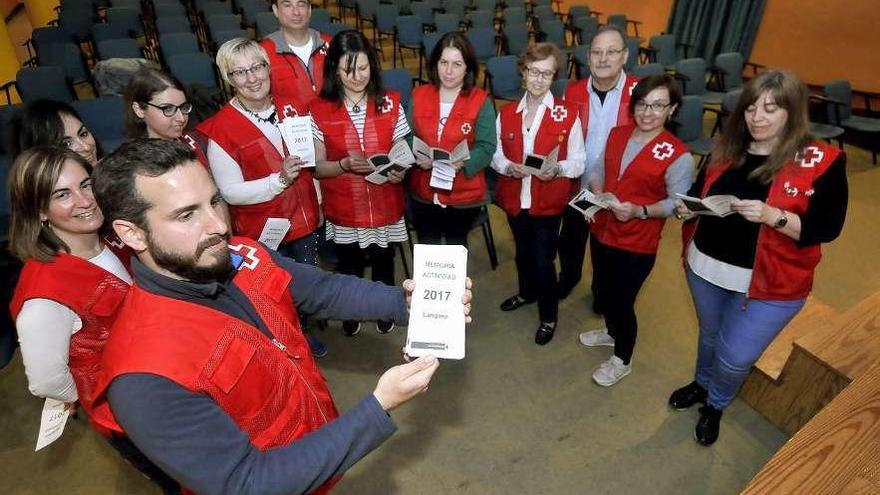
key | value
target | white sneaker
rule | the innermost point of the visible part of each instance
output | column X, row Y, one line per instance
column 611, row 371
column 595, row 338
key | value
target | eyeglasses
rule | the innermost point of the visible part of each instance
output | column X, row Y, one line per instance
column 610, row 53
column 654, row 107
column 540, row 74
column 241, row 74
column 169, row 110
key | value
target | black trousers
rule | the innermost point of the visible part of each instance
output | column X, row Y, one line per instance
column 572, row 248
column 537, row 240
column 618, row 276
column 353, row 260
column 437, row 225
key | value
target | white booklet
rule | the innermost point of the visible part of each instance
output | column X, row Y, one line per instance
column 715, row 206
column 460, row 153
column 399, row 158
column 536, row 164
column 436, row 314
column 296, row 132
column 52, row 421
column 588, row 203
column 274, row 231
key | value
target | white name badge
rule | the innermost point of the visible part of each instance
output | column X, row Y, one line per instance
column 274, row 231
column 436, row 315
column 52, row 421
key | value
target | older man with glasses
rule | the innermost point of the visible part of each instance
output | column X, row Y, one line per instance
column 602, row 101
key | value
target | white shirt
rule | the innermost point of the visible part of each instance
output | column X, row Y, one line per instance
column 44, row 330
column 573, row 165
column 603, row 118
column 229, row 177
column 304, row 52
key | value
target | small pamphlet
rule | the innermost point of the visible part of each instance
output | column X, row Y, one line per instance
column 400, row 158
column 436, row 315
column 442, row 172
column 588, row 203
column 296, row 132
column 274, row 231
column 536, row 164
column 52, row 422
column 714, row 206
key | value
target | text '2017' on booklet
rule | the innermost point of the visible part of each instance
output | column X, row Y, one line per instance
column 715, row 206
column 436, row 314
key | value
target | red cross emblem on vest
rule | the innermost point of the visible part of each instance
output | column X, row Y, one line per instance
column 662, row 151
column 387, row 105
column 249, row 255
column 323, row 50
column 559, row 113
column 189, row 140
column 812, row 155
column 289, row 111
column 466, row 128
column 633, row 87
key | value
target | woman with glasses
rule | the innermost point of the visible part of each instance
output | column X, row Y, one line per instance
column 50, row 122
column 250, row 162
column 355, row 117
column 539, row 125
column 644, row 166
column 444, row 114
column 156, row 106
column 71, row 287
column 750, row 272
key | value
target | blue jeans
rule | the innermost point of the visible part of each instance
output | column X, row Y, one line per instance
column 302, row 250
column 733, row 334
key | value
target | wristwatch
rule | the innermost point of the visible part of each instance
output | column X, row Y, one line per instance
column 644, row 215
column 283, row 180
column 782, row 221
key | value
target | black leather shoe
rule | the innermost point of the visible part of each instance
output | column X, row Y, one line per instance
column 706, row 431
column 514, row 302
column 687, row 396
column 544, row 333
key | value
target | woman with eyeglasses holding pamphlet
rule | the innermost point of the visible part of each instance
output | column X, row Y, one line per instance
column 540, row 152
column 447, row 192
column 156, row 106
column 643, row 167
column 268, row 185
column 356, row 120
column 750, row 272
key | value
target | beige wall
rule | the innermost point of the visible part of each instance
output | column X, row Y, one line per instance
column 822, row 40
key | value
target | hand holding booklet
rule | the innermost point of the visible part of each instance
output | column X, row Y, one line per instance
column 436, row 314
column 715, row 206
column 400, row 158
column 588, row 203
column 536, row 164
column 442, row 172
column 296, row 132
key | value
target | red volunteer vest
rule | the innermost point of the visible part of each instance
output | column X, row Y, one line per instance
column 460, row 125
column 642, row 183
column 258, row 158
column 576, row 92
column 349, row 200
column 290, row 78
column 190, row 141
column 96, row 296
column 272, row 389
column 548, row 197
column 783, row 270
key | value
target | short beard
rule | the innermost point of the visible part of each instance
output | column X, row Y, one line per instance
column 186, row 266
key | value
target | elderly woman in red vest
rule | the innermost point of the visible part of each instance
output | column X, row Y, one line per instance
column 444, row 114
column 249, row 160
column 645, row 166
column 156, row 106
column 538, row 125
column 71, row 287
column 750, row 272
column 355, row 118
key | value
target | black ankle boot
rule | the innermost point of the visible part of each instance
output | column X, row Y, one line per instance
column 687, row 396
column 706, row 431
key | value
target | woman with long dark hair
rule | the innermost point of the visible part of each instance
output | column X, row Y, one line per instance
column 50, row 122
column 354, row 118
column 750, row 272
